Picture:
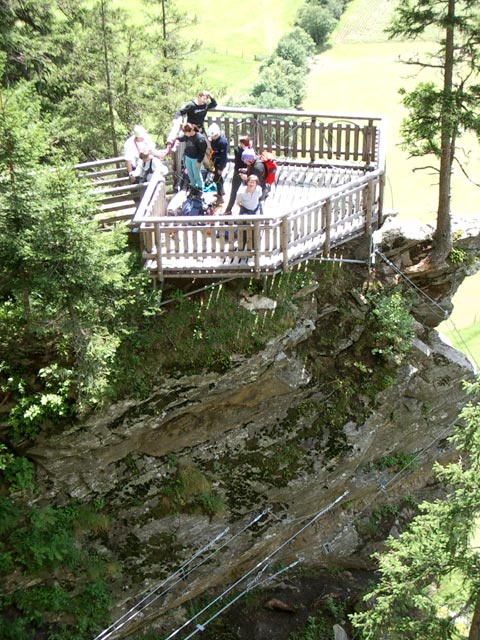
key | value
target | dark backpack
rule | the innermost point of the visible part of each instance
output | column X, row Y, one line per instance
column 192, row 206
column 270, row 165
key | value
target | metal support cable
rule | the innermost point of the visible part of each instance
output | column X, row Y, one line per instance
column 205, row 288
column 443, row 313
column 153, row 595
column 135, row 610
column 258, row 567
column 201, row 627
column 431, row 302
column 464, row 344
column 400, row 473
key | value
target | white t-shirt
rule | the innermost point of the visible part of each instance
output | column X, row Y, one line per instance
column 145, row 168
column 133, row 147
column 249, row 200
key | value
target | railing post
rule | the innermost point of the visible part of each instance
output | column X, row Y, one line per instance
column 147, row 238
column 313, row 130
column 158, row 246
column 327, row 217
column 368, row 191
column 381, row 194
column 256, row 245
column 284, row 242
column 255, row 129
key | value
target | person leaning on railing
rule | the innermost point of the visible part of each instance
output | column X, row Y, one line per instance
column 249, row 200
column 194, row 112
column 249, row 197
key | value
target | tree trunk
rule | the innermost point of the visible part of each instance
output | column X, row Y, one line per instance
column 443, row 235
column 475, row 626
column 108, row 80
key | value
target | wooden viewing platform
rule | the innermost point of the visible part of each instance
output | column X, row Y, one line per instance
column 328, row 190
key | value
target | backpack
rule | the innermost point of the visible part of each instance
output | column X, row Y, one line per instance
column 192, row 206
column 270, row 165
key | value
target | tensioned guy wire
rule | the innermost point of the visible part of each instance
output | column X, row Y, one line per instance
column 135, row 610
column 261, row 565
column 252, row 585
column 153, row 595
column 430, row 302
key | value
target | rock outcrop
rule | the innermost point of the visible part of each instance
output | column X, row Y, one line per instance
column 211, row 451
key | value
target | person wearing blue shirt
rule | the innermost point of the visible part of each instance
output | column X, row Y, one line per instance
column 219, row 157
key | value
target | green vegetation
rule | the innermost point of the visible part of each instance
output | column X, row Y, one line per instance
column 71, row 599
column 17, row 470
column 205, row 331
column 106, row 78
column 315, row 629
column 80, row 325
column 320, row 625
column 439, row 112
column 70, row 296
column 189, row 491
column 234, row 45
column 393, row 333
column 345, row 72
column 466, row 340
column 314, row 430
column 407, row 602
column 395, row 461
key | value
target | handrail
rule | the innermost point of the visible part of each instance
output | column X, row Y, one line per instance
column 249, row 245
column 319, row 138
column 322, row 143
column 333, row 193
column 99, row 163
column 297, row 113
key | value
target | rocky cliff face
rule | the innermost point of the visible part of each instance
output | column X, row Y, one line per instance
column 306, row 425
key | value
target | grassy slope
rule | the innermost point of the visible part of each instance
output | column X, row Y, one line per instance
column 236, row 39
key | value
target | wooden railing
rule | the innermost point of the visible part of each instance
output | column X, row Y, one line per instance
column 221, row 246
column 209, row 246
column 306, row 136
column 118, row 198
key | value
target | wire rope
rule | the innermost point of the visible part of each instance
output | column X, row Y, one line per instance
column 259, row 565
column 152, row 595
column 252, row 585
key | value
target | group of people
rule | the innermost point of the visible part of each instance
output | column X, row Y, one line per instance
column 141, row 155
column 202, row 148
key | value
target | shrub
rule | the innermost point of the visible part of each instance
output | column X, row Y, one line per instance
column 391, row 324
column 317, row 21
column 283, row 79
column 44, row 544
column 296, row 47
column 18, row 471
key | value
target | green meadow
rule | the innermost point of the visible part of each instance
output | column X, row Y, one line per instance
column 235, row 40
column 360, row 72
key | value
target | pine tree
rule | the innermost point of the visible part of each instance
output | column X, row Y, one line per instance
column 408, row 602
column 439, row 114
